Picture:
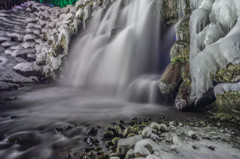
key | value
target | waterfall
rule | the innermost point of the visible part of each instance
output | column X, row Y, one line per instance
column 120, row 44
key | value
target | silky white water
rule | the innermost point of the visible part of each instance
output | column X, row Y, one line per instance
column 120, row 44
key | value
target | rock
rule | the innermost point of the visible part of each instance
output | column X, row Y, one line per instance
column 154, row 137
column 118, row 129
column 155, row 126
column 114, row 158
column 152, row 157
column 2, row 49
column 8, row 86
column 170, row 11
column 170, row 79
column 163, row 128
column 143, row 148
column 92, row 132
column 108, row 134
column 126, row 144
column 129, row 154
column 113, row 155
column 212, row 148
column 4, row 38
column 28, row 69
column 9, row 44
column 129, row 130
column 192, row 134
column 175, row 140
column 29, row 37
column 131, row 134
column 147, row 132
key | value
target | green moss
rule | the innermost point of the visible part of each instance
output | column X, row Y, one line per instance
column 170, row 11
column 229, row 102
column 180, row 52
column 183, row 32
column 230, row 74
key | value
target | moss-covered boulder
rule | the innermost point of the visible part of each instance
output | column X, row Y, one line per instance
column 182, row 30
column 170, row 11
column 230, row 74
column 228, row 106
column 180, row 52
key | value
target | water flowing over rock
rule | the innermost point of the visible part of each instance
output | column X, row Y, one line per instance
column 116, row 47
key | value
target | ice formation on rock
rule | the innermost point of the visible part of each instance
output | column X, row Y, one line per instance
column 210, row 50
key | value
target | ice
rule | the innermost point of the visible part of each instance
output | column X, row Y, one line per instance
column 29, row 37
column 214, row 57
column 4, row 38
column 9, row 44
column 27, row 67
column 222, row 88
column 224, row 13
column 19, row 52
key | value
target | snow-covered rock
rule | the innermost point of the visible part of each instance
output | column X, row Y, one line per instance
column 28, row 69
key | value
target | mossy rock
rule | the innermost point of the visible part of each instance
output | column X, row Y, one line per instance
column 183, row 99
column 115, row 140
column 183, row 32
column 228, row 105
column 170, row 79
column 129, row 130
column 170, row 11
column 230, row 74
column 180, row 52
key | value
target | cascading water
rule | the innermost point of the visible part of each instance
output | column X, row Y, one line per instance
column 120, row 44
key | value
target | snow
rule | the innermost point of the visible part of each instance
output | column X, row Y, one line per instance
column 27, row 67
column 28, row 45
column 19, row 52
column 2, row 39
column 67, row 33
column 29, row 37
column 222, row 88
column 2, row 49
column 9, row 44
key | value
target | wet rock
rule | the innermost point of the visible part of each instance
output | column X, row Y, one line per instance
column 26, row 139
column 115, row 140
column 170, row 79
column 129, row 154
column 163, row 128
column 176, row 140
column 143, row 148
column 118, row 129
column 28, row 69
column 129, row 130
column 152, row 157
column 108, row 134
column 212, row 148
column 92, row 132
column 59, row 130
column 126, row 144
column 92, row 141
column 131, row 134
column 155, row 126
column 147, row 132
column 193, row 135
